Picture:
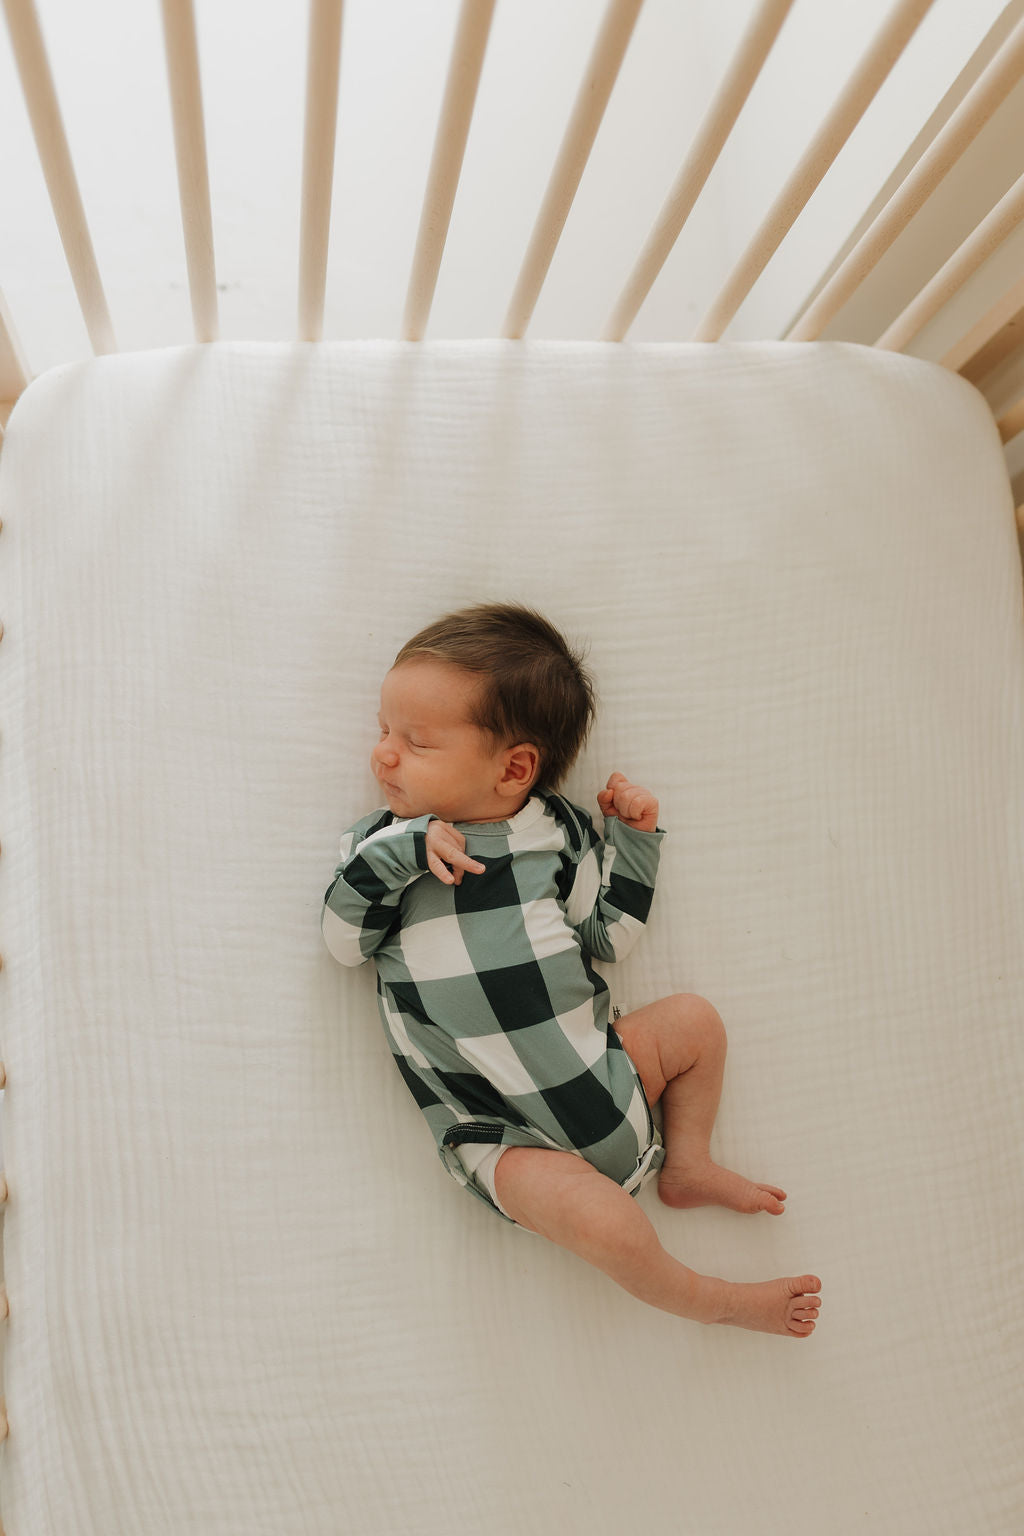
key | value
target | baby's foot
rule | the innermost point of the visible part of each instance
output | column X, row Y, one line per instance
column 686, row 1184
column 775, row 1306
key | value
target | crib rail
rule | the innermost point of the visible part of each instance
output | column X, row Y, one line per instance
column 452, row 133
column 707, row 146
column 996, row 334
column 861, row 88
column 61, row 182
column 974, row 111
column 186, row 94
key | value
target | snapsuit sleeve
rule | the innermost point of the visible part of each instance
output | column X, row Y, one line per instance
column 613, row 888
column 380, row 857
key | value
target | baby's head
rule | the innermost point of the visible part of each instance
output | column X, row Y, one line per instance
column 480, row 708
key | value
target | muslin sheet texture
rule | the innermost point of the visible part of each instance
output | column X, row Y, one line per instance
column 244, row 1294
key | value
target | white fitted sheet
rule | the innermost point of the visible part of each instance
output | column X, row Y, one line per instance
column 244, row 1294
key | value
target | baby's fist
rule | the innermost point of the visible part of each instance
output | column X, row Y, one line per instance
column 629, row 803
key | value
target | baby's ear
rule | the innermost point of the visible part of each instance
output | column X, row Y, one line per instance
column 522, row 764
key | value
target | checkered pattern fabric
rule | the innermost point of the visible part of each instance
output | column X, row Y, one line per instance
column 496, row 1018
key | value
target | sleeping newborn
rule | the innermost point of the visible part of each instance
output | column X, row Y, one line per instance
column 482, row 895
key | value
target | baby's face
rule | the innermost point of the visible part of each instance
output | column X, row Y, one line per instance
column 430, row 757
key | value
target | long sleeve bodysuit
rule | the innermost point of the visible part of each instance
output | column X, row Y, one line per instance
column 497, row 1020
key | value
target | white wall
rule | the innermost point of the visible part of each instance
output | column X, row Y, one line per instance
column 110, row 76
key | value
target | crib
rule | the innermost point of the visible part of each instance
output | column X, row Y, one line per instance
column 239, row 1291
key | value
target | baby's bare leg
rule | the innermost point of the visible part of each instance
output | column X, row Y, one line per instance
column 567, row 1201
column 678, row 1047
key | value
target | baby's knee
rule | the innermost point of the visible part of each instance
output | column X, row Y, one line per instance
column 699, row 1016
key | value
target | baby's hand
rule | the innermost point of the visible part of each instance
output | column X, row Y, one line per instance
column 630, row 803
column 446, row 847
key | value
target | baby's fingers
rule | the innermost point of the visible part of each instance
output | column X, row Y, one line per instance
column 606, row 796
column 439, row 860
column 437, row 867
column 633, row 806
column 463, row 861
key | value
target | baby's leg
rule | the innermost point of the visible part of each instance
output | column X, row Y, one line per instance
column 569, row 1202
column 678, row 1047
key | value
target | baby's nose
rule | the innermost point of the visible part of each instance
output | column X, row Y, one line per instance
column 385, row 755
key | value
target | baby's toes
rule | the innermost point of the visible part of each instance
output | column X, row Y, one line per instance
column 802, row 1314
column 770, row 1199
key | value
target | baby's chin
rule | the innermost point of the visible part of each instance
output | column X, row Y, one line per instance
column 398, row 805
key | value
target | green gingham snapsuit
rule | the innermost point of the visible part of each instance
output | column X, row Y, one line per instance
column 497, row 1020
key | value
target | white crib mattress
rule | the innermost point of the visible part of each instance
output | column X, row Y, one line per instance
column 244, row 1295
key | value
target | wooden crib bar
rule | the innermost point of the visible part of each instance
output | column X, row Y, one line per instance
column 989, row 90
column 51, row 141
column 193, row 175
column 591, row 100
column 14, row 371
column 718, row 123
column 990, row 340
column 1012, row 422
column 446, row 165
column 322, row 73
column 850, row 106
column 967, row 258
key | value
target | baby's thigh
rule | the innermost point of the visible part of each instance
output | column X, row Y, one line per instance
column 544, row 1190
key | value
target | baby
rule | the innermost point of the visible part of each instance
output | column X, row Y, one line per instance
column 482, row 895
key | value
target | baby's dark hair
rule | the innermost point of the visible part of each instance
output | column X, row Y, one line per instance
column 535, row 688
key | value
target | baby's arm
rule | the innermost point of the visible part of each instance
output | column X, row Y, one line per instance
column 379, row 858
column 611, row 896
